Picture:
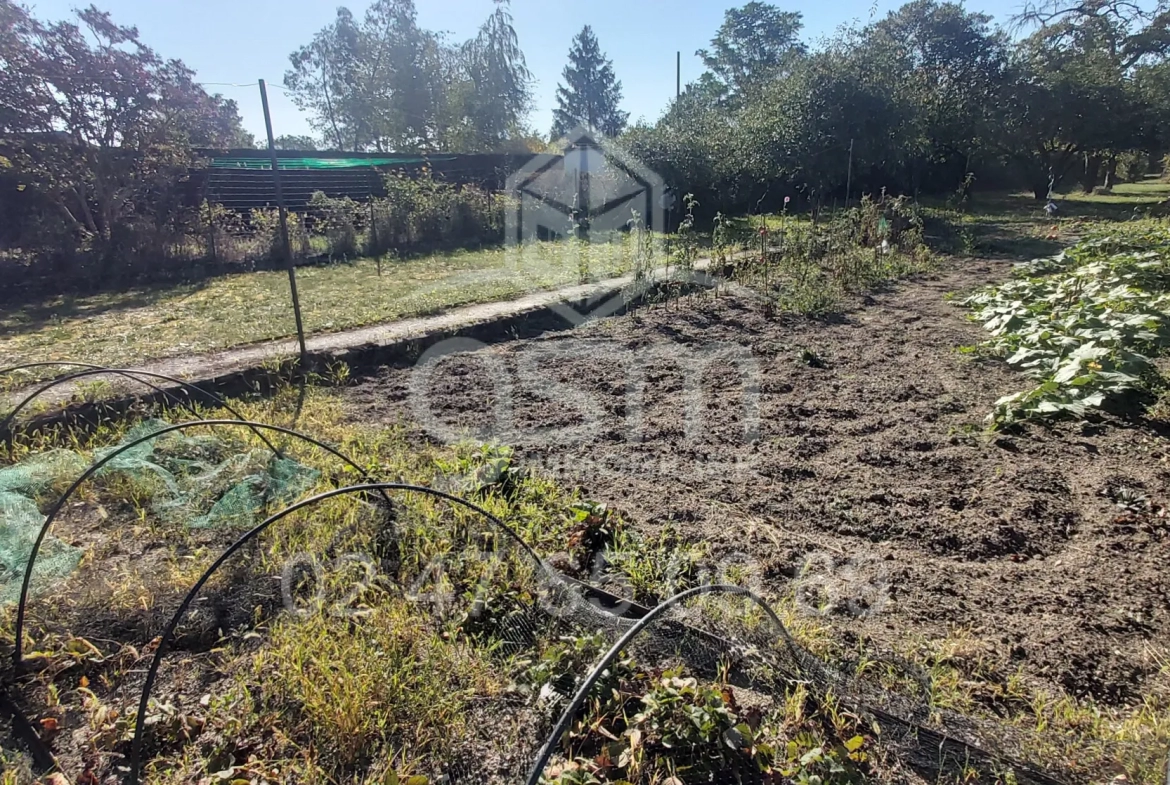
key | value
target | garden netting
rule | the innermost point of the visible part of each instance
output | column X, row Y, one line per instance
column 197, row 481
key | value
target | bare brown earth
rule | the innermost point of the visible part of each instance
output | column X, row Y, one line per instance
column 865, row 487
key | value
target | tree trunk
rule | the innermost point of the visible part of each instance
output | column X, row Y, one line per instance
column 1111, row 172
column 1091, row 174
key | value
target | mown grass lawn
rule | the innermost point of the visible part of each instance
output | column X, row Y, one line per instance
column 126, row 328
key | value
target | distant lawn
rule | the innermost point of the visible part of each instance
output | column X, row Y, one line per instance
column 1010, row 224
column 1143, row 194
column 127, row 328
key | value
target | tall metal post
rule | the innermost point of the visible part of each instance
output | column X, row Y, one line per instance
column 288, row 258
column 677, row 74
column 849, row 174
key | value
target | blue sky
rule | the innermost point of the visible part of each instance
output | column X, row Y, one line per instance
column 243, row 40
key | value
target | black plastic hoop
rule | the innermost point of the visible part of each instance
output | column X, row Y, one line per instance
column 168, row 632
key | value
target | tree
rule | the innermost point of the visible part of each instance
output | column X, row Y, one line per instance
column 754, row 44
column 1073, row 97
column 946, row 65
column 397, row 78
column 693, row 148
column 372, row 85
column 1153, row 84
column 320, row 77
column 295, row 142
column 500, row 91
column 386, row 84
column 905, row 98
column 1130, row 33
column 590, row 94
column 23, row 99
column 100, row 125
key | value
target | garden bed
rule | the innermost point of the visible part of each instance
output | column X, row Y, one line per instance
column 1033, row 561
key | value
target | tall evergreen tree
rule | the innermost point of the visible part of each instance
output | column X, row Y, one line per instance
column 590, row 94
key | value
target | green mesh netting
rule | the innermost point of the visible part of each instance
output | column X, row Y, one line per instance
column 248, row 162
column 20, row 521
column 193, row 481
column 184, row 474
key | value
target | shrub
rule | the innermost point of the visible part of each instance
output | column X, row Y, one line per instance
column 266, row 226
column 337, row 220
column 426, row 213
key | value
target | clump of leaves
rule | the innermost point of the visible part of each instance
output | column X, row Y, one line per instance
column 698, row 727
column 808, row 761
column 560, row 665
column 482, row 469
column 1084, row 324
column 811, row 358
column 681, row 730
column 594, row 527
column 654, row 567
column 677, row 729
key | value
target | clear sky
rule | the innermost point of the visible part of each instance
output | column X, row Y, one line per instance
column 240, row 41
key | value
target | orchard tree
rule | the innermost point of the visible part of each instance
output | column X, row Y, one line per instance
column 1153, row 85
column 692, row 148
column 590, row 94
column 948, row 65
column 755, row 43
column 1076, row 80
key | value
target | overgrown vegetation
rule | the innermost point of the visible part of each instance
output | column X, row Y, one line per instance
column 808, row 267
column 1085, row 324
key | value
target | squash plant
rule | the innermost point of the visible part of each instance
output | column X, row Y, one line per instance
column 1084, row 324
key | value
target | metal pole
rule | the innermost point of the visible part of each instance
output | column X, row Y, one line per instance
column 211, row 228
column 292, row 273
column 849, row 174
column 374, row 249
column 677, row 74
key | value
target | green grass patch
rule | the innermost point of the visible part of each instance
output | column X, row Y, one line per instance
column 126, row 328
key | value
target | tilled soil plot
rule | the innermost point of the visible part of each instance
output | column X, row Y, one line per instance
column 845, row 459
